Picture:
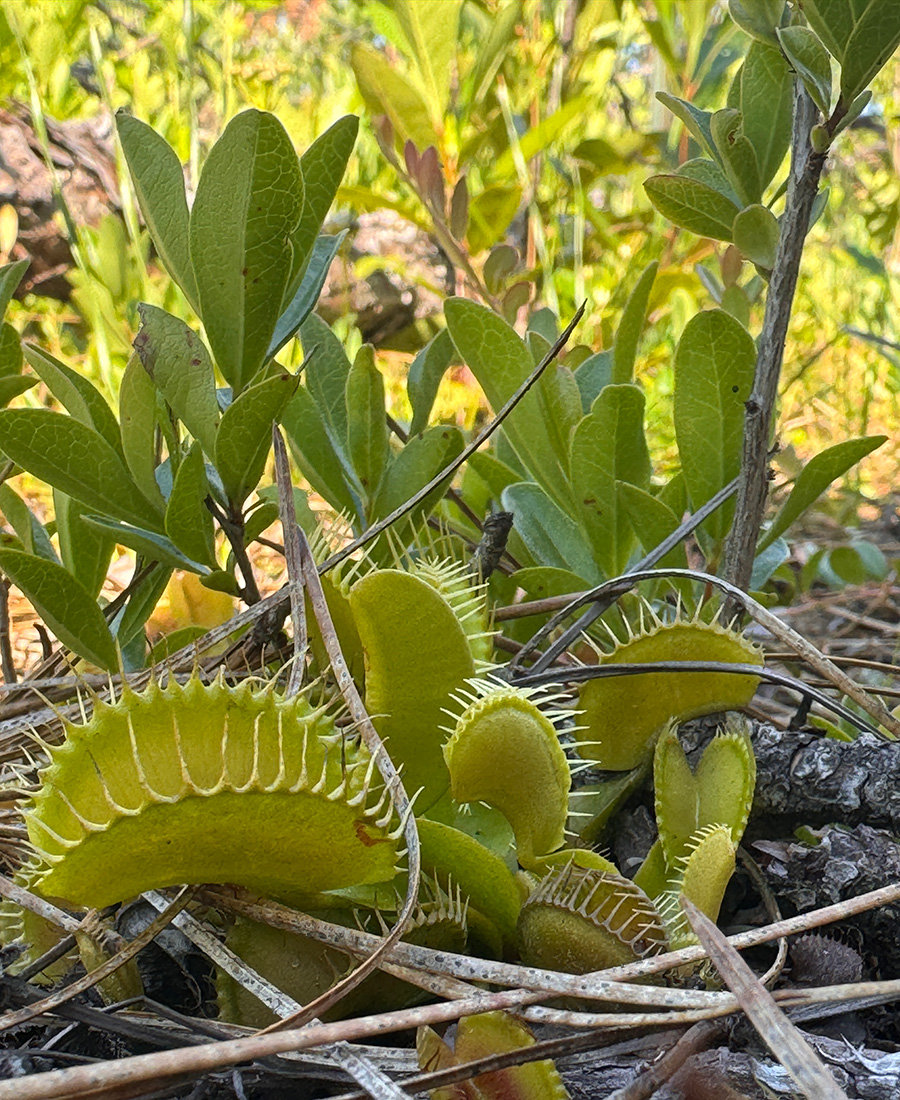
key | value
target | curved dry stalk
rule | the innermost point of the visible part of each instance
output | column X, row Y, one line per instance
column 618, row 586
column 386, row 769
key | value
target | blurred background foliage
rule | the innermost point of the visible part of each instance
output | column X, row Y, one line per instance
column 546, row 110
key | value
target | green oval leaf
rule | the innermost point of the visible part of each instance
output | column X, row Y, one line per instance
column 632, row 325
column 501, row 363
column 31, row 532
column 307, row 294
column 148, row 544
column 158, row 180
column 814, row 479
column 74, row 458
column 804, row 49
column 692, row 205
column 64, row 604
column 766, row 95
column 137, row 415
column 317, row 458
column 424, row 378
column 76, row 394
column 245, row 434
column 322, row 167
column 10, row 277
column 367, row 431
column 388, row 92
column 85, row 551
column 714, row 366
column 609, row 446
column 872, row 42
column 189, row 522
column 248, row 204
column 175, row 357
column 552, row 537
column 756, row 234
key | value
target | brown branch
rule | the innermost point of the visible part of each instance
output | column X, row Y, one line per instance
column 803, row 184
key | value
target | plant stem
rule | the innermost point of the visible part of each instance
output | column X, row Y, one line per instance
column 233, row 526
column 7, row 664
column 806, row 168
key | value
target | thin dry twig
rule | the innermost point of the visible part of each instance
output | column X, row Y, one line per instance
column 292, row 560
column 698, row 1037
column 61, row 996
column 780, row 1035
column 612, row 589
column 388, row 772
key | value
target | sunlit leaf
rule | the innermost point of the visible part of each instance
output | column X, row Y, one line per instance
column 815, row 477
column 158, row 180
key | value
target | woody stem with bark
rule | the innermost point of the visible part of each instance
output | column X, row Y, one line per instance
column 806, row 168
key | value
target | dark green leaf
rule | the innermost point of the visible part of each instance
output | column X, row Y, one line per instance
column 424, row 378
column 85, row 551
column 10, row 277
column 591, row 375
column 758, row 18
column 367, row 430
column 609, row 446
column 553, row 538
column 301, row 305
column 12, row 385
column 326, row 376
column 833, row 22
column 653, row 521
column 322, row 166
column 738, row 157
column 811, row 62
column 248, row 204
column 632, row 325
column 32, row 533
column 75, row 459
column 873, row 41
column 501, row 363
column 177, row 360
column 692, row 205
column 159, row 186
column 561, row 399
column 10, row 352
column 64, row 604
column 756, row 234
column 137, row 414
column 707, row 171
column 76, row 394
column 150, row 545
column 696, row 120
column 189, row 522
column 245, row 434
column 316, row 456
column 130, row 620
column 814, row 479
column 766, row 97
column 714, row 366
column 423, row 458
